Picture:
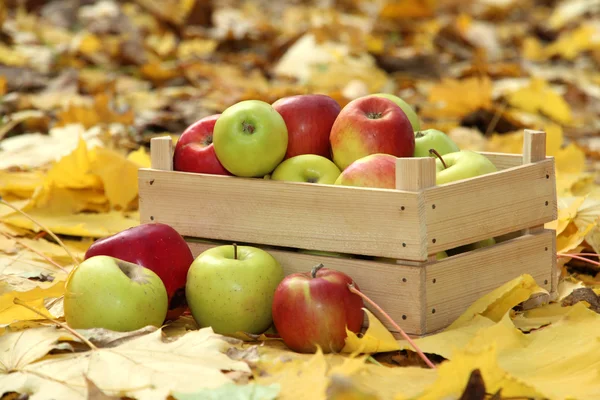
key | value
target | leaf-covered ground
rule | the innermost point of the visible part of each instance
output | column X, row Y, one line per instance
column 85, row 85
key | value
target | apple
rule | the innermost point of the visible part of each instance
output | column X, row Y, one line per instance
column 250, row 138
column 158, row 247
column 231, row 288
column 408, row 110
column 462, row 164
column 325, row 253
column 314, row 308
column 375, row 170
column 433, row 139
column 472, row 246
column 309, row 168
column 308, row 118
column 369, row 125
column 105, row 292
column 195, row 152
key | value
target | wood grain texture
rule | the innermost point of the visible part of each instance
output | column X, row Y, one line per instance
column 161, row 153
column 534, row 150
column 375, row 222
column 503, row 160
column 395, row 288
column 453, row 284
column 415, row 173
column 490, row 205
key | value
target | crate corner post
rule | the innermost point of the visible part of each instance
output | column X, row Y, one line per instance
column 161, row 159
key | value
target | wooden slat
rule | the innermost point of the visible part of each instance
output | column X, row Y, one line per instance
column 504, row 160
column 395, row 288
column 453, row 284
column 534, row 150
column 161, row 153
column 490, row 205
column 377, row 222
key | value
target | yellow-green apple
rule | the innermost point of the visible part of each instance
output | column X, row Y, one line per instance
column 462, row 164
column 315, row 308
column 105, row 292
column 250, row 138
column 308, row 118
column 375, row 170
column 158, row 247
column 309, row 168
column 231, row 288
column 369, row 125
column 433, row 139
column 195, row 152
column 408, row 110
column 472, row 246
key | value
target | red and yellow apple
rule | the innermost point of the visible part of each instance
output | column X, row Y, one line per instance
column 375, row 170
column 195, row 152
column 369, row 125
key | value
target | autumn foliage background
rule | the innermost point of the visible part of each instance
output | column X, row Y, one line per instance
column 85, row 85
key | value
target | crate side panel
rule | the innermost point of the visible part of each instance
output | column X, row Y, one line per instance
column 503, row 160
column 396, row 288
column 490, row 205
column 318, row 217
column 455, row 283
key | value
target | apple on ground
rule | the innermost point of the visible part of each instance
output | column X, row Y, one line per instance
column 308, row 118
column 369, row 125
column 250, row 138
column 325, row 253
column 433, row 139
column 195, row 152
column 309, row 168
column 314, row 308
column 375, row 171
column 105, row 292
column 462, row 164
column 158, row 247
column 230, row 288
column 472, row 246
column 408, row 110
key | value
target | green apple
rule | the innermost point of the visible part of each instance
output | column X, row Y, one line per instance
column 309, row 168
column 408, row 110
column 462, row 164
column 230, row 288
column 433, row 139
column 106, row 292
column 472, row 246
column 250, row 138
column 325, row 253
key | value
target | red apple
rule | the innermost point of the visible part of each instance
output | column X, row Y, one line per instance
column 375, row 170
column 157, row 247
column 308, row 118
column 369, row 125
column 314, row 308
column 195, row 152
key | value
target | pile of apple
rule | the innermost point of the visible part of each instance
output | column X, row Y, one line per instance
column 147, row 275
column 310, row 138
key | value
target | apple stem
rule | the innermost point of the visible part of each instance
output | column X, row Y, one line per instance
column 2, row 201
column 235, row 256
column 434, row 151
column 315, row 269
column 91, row 345
column 354, row 290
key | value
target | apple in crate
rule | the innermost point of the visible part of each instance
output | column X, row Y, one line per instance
column 250, row 138
column 308, row 118
column 310, row 168
column 433, row 139
column 158, row 247
column 195, row 151
column 314, row 308
column 375, row 170
column 230, row 288
column 460, row 165
column 105, row 292
column 408, row 110
column 369, row 125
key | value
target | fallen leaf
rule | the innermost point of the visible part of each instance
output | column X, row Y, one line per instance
column 443, row 102
column 376, row 339
column 539, row 97
column 28, row 292
column 232, row 391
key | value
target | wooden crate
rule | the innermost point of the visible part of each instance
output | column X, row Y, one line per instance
column 408, row 225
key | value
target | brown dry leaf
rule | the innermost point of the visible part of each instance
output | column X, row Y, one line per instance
column 443, row 101
column 145, row 367
column 3, row 86
column 402, row 9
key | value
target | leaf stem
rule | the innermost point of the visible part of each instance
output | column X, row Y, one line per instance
column 64, row 326
column 39, row 253
column 395, row 325
column 579, row 258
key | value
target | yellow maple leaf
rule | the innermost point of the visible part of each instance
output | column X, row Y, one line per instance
column 376, row 339
column 30, row 293
column 570, row 159
column 89, row 116
column 572, row 236
column 567, row 211
column 572, row 43
column 20, row 183
column 3, row 86
column 401, row 9
column 140, row 157
column 475, row 93
column 538, row 96
column 73, row 170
